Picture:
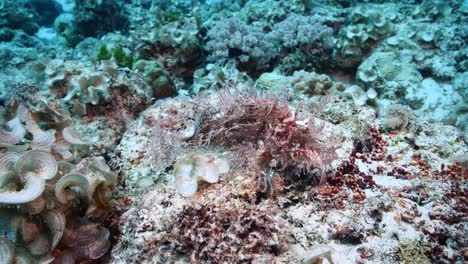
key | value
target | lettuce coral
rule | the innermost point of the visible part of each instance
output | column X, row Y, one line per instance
column 195, row 167
column 53, row 218
column 367, row 25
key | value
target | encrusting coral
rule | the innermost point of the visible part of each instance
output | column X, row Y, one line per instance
column 414, row 252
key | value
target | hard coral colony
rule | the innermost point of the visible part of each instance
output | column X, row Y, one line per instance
column 244, row 131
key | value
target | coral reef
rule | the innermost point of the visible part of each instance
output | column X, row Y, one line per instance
column 246, row 131
column 92, row 19
column 157, row 77
column 28, row 15
column 367, row 26
column 234, row 38
column 50, row 183
column 253, row 47
column 78, row 86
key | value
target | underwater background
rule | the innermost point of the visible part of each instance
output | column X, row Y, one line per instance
column 242, row 131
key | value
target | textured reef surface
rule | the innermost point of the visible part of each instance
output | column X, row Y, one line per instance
column 241, row 131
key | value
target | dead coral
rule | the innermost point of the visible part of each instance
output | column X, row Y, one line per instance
column 447, row 213
column 344, row 187
column 411, row 251
column 144, row 224
column 347, row 184
column 372, row 147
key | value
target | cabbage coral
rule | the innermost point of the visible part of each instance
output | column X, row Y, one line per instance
column 32, row 169
column 195, row 167
column 84, row 88
column 55, row 207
